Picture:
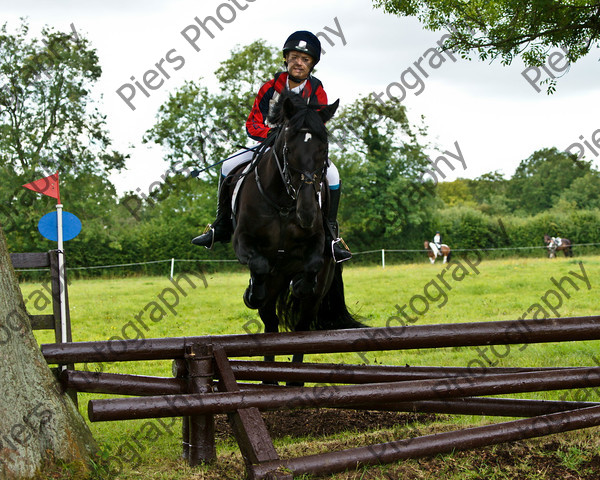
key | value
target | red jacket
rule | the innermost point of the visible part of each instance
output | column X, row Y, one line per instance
column 256, row 123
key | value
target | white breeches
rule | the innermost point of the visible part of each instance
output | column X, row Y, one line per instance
column 333, row 175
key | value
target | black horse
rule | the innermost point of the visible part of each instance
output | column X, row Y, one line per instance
column 553, row 246
column 280, row 228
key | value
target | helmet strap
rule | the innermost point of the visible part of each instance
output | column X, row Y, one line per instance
column 295, row 79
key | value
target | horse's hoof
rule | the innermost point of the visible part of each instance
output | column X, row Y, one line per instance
column 270, row 383
column 248, row 299
column 254, row 296
column 294, row 384
column 302, row 288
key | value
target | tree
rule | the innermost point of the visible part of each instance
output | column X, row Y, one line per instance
column 198, row 128
column 456, row 193
column 40, row 425
column 47, row 118
column 541, row 179
column 91, row 197
column 49, row 123
column 506, row 29
column 381, row 163
column 490, row 193
column 584, row 192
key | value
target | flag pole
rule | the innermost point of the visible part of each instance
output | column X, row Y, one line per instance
column 50, row 186
column 61, row 275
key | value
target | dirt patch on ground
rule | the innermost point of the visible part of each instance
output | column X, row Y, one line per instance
column 318, row 423
column 545, row 458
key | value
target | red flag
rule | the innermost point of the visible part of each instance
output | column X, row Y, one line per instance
column 47, row 186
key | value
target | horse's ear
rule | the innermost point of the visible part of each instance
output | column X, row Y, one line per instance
column 327, row 112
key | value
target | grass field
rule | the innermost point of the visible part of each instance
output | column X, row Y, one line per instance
column 468, row 290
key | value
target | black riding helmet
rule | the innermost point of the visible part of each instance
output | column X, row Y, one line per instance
column 305, row 42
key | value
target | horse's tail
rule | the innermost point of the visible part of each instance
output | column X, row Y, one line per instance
column 333, row 313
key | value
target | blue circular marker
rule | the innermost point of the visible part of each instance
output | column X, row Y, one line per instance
column 48, row 226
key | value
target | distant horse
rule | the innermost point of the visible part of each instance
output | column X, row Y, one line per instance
column 280, row 226
column 445, row 252
column 556, row 244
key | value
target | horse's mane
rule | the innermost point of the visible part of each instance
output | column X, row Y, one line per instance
column 305, row 115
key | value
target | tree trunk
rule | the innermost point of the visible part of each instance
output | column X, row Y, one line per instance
column 38, row 424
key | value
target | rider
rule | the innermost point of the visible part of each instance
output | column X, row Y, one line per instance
column 301, row 52
column 436, row 246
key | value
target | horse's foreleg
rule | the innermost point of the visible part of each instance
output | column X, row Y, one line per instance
column 306, row 282
column 255, row 294
column 269, row 317
column 308, row 312
column 445, row 258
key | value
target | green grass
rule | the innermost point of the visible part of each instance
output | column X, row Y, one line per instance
column 493, row 290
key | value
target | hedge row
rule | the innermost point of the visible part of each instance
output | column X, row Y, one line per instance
column 461, row 228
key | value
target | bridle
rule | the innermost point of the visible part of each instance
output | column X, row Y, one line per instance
column 286, row 171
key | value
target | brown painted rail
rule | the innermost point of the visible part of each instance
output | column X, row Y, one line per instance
column 332, row 341
column 349, row 373
column 432, row 444
column 178, row 405
column 493, row 407
column 122, row 384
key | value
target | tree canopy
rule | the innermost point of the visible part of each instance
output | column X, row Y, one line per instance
column 540, row 179
column 382, row 164
column 47, row 117
column 545, row 180
column 506, row 29
column 197, row 127
column 49, row 122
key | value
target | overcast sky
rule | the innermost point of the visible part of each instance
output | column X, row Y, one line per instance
column 496, row 116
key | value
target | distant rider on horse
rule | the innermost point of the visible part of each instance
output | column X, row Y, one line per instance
column 301, row 52
column 436, row 245
column 556, row 241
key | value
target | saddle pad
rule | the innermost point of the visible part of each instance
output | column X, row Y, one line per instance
column 238, row 185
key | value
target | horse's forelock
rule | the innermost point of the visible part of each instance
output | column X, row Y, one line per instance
column 304, row 116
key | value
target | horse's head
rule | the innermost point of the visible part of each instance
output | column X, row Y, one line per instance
column 301, row 150
column 547, row 239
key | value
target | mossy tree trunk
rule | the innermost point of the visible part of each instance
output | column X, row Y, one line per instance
column 38, row 424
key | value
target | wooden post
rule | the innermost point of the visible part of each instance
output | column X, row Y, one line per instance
column 201, row 427
column 248, row 425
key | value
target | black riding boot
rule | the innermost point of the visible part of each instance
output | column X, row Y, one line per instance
column 339, row 249
column 221, row 229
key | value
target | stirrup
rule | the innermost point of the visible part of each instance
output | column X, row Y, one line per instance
column 209, row 228
column 345, row 248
